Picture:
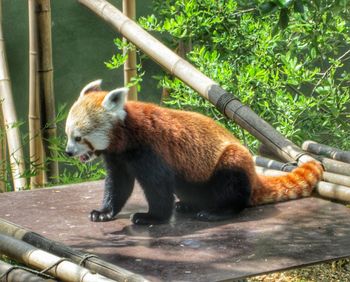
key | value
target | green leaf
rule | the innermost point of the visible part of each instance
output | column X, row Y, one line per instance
column 299, row 6
column 267, row 7
column 284, row 19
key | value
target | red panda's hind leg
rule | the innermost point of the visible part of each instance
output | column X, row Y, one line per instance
column 230, row 183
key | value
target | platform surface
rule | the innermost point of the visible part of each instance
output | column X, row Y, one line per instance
column 259, row 240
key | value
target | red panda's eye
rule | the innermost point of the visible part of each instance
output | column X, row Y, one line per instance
column 77, row 139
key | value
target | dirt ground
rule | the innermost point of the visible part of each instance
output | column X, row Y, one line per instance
column 337, row 271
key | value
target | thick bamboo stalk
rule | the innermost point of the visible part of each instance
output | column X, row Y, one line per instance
column 39, row 259
column 95, row 264
column 46, row 93
column 327, row 176
column 10, row 118
column 209, row 89
column 327, row 151
column 330, row 165
column 129, row 9
column 3, row 156
column 34, row 114
column 11, row 273
column 324, row 189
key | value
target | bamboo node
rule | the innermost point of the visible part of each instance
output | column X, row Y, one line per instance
column 5, row 275
column 54, row 265
column 85, row 258
column 45, row 70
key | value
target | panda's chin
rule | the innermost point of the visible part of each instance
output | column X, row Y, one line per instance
column 87, row 157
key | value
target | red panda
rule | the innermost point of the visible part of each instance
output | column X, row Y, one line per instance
column 172, row 152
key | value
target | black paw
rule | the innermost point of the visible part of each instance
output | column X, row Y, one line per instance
column 98, row 216
column 147, row 219
column 181, row 207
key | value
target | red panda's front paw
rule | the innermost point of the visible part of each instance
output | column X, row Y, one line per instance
column 98, row 216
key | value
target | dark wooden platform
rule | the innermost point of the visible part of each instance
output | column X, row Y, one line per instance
column 261, row 239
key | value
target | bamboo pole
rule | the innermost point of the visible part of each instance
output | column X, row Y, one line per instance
column 35, row 137
column 95, row 264
column 327, row 176
column 129, row 9
column 327, row 151
column 11, row 273
column 3, row 156
column 53, row 265
column 209, row 89
column 46, row 93
column 10, row 118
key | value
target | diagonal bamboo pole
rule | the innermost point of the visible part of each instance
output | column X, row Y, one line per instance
column 63, row 269
column 10, row 273
column 3, row 157
column 129, row 9
column 95, row 264
column 35, row 140
column 10, row 118
column 45, row 74
column 209, row 89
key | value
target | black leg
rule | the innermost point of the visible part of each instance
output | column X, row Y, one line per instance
column 157, row 182
column 119, row 184
column 159, row 194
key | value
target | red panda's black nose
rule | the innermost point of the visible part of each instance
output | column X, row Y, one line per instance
column 69, row 153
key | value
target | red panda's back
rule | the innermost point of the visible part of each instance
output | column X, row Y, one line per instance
column 190, row 142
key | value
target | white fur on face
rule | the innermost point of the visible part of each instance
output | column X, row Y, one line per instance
column 89, row 139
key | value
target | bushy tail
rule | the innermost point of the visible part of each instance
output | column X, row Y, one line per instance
column 296, row 184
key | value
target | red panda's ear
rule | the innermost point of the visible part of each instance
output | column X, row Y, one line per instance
column 114, row 102
column 92, row 86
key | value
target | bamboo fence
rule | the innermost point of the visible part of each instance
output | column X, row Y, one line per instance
column 46, row 93
column 35, row 138
column 93, row 263
column 10, row 118
column 11, row 273
column 129, row 10
column 31, row 256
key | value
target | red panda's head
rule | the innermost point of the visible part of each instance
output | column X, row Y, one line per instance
column 91, row 119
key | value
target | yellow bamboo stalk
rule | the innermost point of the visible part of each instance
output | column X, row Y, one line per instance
column 129, row 9
column 10, row 118
column 35, row 140
column 60, row 268
column 46, row 93
column 3, row 157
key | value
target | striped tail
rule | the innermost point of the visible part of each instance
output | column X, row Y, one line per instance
column 296, row 184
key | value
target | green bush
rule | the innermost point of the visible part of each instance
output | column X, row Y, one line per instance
column 287, row 60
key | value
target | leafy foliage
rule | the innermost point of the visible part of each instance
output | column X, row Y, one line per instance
column 297, row 79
